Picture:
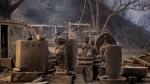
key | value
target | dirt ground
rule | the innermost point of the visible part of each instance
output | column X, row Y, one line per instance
column 126, row 53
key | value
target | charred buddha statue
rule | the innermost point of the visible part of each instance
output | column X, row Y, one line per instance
column 102, row 48
column 61, row 54
column 86, row 48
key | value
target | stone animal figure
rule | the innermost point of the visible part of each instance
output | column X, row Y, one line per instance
column 61, row 54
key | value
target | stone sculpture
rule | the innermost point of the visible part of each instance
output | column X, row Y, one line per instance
column 61, row 55
column 102, row 48
column 97, row 60
column 86, row 48
column 85, row 60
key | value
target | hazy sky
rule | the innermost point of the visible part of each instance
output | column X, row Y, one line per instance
column 139, row 14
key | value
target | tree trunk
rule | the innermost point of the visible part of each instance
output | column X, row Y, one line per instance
column 92, row 14
column 7, row 7
column 107, row 20
column 97, row 14
column 7, row 14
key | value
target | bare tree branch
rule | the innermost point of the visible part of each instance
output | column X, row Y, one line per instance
column 92, row 14
column 119, row 6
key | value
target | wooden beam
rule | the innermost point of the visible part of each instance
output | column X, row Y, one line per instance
column 143, row 62
column 12, row 22
column 124, row 59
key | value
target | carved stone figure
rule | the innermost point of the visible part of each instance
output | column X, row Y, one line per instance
column 102, row 48
column 86, row 45
column 61, row 54
column 94, row 49
column 96, row 61
column 86, row 48
column 85, row 59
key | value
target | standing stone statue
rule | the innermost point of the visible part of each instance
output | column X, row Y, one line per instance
column 85, row 60
column 61, row 55
column 102, row 48
column 94, row 49
column 96, row 60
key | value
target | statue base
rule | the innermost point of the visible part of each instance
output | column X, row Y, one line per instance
column 59, row 79
column 60, row 71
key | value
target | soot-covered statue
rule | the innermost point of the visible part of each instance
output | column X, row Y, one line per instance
column 61, row 55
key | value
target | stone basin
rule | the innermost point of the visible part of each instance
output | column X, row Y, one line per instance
column 104, row 80
column 138, row 71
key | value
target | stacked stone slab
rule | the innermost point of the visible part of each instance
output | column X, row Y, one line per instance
column 31, row 56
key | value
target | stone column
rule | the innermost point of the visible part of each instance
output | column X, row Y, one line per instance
column 113, row 58
column 72, row 50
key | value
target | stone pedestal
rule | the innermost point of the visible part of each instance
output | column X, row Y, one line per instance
column 51, row 64
column 120, row 80
column 113, row 58
column 88, row 73
column 79, row 69
column 25, row 76
column 31, row 56
column 86, row 63
column 79, row 79
column 57, row 72
column 59, row 79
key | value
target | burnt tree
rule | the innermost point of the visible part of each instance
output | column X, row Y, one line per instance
column 8, row 6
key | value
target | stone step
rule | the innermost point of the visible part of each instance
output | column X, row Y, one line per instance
column 24, row 76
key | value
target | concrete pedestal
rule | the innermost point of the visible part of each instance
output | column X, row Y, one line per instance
column 25, row 76
column 31, row 56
